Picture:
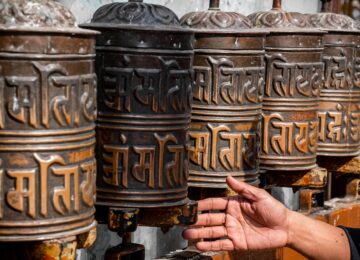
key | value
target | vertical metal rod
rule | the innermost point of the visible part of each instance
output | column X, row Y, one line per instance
column 214, row 4
column 329, row 186
column 276, row 4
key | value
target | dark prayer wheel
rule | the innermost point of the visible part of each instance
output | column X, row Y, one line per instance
column 144, row 68
column 226, row 115
column 47, row 122
column 339, row 113
column 293, row 79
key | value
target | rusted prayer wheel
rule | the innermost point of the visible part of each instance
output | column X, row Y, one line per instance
column 339, row 113
column 47, row 122
column 291, row 96
column 229, row 78
column 144, row 68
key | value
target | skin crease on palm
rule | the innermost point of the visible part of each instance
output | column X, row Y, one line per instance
column 254, row 220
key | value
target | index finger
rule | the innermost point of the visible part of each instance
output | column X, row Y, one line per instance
column 213, row 204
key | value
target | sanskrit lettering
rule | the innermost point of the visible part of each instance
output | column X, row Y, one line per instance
column 221, row 81
column 53, row 184
column 219, row 146
column 357, row 71
column 50, row 92
column 283, row 138
column 338, row 71
column 158, row 89
column 290, row 79
column 167, row 154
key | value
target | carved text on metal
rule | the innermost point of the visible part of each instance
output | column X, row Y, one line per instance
column 291, row 79
column 168, row 87
column 117, row 170
column 240, row 148
column 283, row 138
column 338, row 126
column 31, row 186
column 222, row 80
column 338, row 71
column 32, row 100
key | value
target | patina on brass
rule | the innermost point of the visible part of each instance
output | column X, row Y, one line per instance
column 293, row 78
column 229, row 77
column 144, row 61
column 47, row 122
column 339, row 113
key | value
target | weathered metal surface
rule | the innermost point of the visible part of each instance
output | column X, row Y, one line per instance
column 310, row 200
column 125, row 252
column 278, row 18
column 59, row 249
column 339, row 113
column 167, row 217
column 315, row 178
column 86, row 240
column 293, row 78
column 123, row 220
column 353, row 188
column 143, row 65
column 47, row 122
column 229, row 77
column 342, row 165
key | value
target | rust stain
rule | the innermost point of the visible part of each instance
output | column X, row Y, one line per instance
column 18, row 160
column 75, row 157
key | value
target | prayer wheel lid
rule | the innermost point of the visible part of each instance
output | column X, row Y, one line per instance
column 331, row 21
column 37, row 15
column 135, row 14
column 217, row 21
column 279, row 20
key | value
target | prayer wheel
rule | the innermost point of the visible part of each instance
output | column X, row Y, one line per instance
column 339, row 113
column 47, row 122
column 229, row 77
column 291, row 96
column 144, row 69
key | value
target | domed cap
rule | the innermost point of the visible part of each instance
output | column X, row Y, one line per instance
column 35, row 15
column 278, row 18
column 214, row 18
column 331, row 21
column 136, row 13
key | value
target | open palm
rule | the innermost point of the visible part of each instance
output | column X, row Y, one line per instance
column 253, row 220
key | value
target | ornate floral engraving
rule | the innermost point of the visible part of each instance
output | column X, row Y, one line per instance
column 331, row 21
column 277, row 19
column 135, row 13
column 214, row 19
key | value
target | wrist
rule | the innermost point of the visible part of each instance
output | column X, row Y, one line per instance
column 292, row 224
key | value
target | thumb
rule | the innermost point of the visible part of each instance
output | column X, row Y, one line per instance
column 243, row 189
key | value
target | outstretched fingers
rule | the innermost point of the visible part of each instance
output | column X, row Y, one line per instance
column 218, row 245
column 243, row 189
column 207, row 232
column 211, row 219
column 212, row 204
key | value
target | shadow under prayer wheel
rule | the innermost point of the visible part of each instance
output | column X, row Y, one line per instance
column 339, row 113
column 144, row 68
column 229, row 78
column 291, row 96
column 47, row 122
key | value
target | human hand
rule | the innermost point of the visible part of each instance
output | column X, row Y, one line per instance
column 253, row 220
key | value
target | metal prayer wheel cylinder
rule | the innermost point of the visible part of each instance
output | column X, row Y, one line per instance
column 226, row 115
column 144, row 68
column 339, row 112
column 47, row 122
column 293, row 78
